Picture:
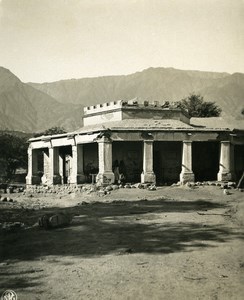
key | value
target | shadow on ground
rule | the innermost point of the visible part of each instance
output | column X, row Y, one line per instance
column 118, row 227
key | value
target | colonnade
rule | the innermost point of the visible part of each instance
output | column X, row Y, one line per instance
column 53, row 164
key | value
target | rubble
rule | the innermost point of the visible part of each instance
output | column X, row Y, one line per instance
column 12, row 226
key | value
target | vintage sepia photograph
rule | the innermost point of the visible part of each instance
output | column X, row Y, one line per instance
column 122, row 149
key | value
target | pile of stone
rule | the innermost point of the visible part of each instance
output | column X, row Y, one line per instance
column 6, row 199
column 10, row 188
column 12, row 226
column 54, row 189
column 222, row 185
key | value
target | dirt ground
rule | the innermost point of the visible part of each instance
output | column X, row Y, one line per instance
column 172, row 243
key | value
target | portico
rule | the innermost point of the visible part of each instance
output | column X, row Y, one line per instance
column 158, row 143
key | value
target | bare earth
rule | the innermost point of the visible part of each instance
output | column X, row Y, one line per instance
column 172, row 243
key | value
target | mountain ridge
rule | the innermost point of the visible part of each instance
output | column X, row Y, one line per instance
column 153, row 84
column 34, row 107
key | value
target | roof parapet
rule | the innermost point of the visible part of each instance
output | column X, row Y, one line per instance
column 103, row 107
column 107, row 106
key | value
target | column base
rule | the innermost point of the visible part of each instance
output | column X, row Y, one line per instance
column 148, row 177
column 224, row 176
column 187, row 177
column 56, row 179
column 35, row 179
column 80, row 178
column 105, row 178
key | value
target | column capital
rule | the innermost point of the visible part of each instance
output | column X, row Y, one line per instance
column 104, row 139
column 187, row 141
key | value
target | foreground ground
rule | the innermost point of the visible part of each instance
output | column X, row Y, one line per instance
column 172, row 243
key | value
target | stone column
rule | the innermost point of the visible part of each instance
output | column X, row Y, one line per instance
column 105, row 175
column 32, row 176
column 148, row 175
column 51, row 166
column 55, row 177
column 186, row 174
column 45, row 176
column 225, row 162
column 77, row 173
column 62, row 167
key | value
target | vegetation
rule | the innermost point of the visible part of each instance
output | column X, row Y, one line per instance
column 13, row 153
column 51, row 131
column 197, row 107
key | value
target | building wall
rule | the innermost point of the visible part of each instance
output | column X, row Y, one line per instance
column 103, row 117
column 144, row 113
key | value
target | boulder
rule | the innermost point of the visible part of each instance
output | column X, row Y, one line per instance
column 49, row 221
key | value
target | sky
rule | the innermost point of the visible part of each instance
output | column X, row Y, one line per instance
column 49, row 40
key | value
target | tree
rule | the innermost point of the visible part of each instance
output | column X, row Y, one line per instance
column 13, row 153
column 197, row 107
column 51, row 131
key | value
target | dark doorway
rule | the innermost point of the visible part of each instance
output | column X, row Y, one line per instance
column 129, row 154
column 167, row 162
column 205, row 160
column 90, row 155
column 65, row 153
column 238, row 161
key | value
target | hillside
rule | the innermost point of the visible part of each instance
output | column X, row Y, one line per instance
column 25, row 108
column 36, row 107
column 153, row 84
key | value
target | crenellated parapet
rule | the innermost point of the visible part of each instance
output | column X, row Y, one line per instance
column 107, row 106
column 129, row 109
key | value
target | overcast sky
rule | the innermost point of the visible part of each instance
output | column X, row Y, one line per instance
column 48, row 40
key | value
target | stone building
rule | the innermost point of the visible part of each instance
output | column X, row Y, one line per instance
column 150, row 142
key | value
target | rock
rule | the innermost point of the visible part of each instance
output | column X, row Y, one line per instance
column 231, row 184
column 226, row 192
column 9, row 190
column 12, row 226
column 115, row 187
column 224, row 186
column 108, row 188
column 102, row 193
column 152, row 188
column 4, row 199
column 127, row 186
column 54, row 221
column 136, row 185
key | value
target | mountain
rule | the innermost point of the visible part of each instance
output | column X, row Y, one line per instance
column 161, row 84
column 33, row 107
column 25, row 108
